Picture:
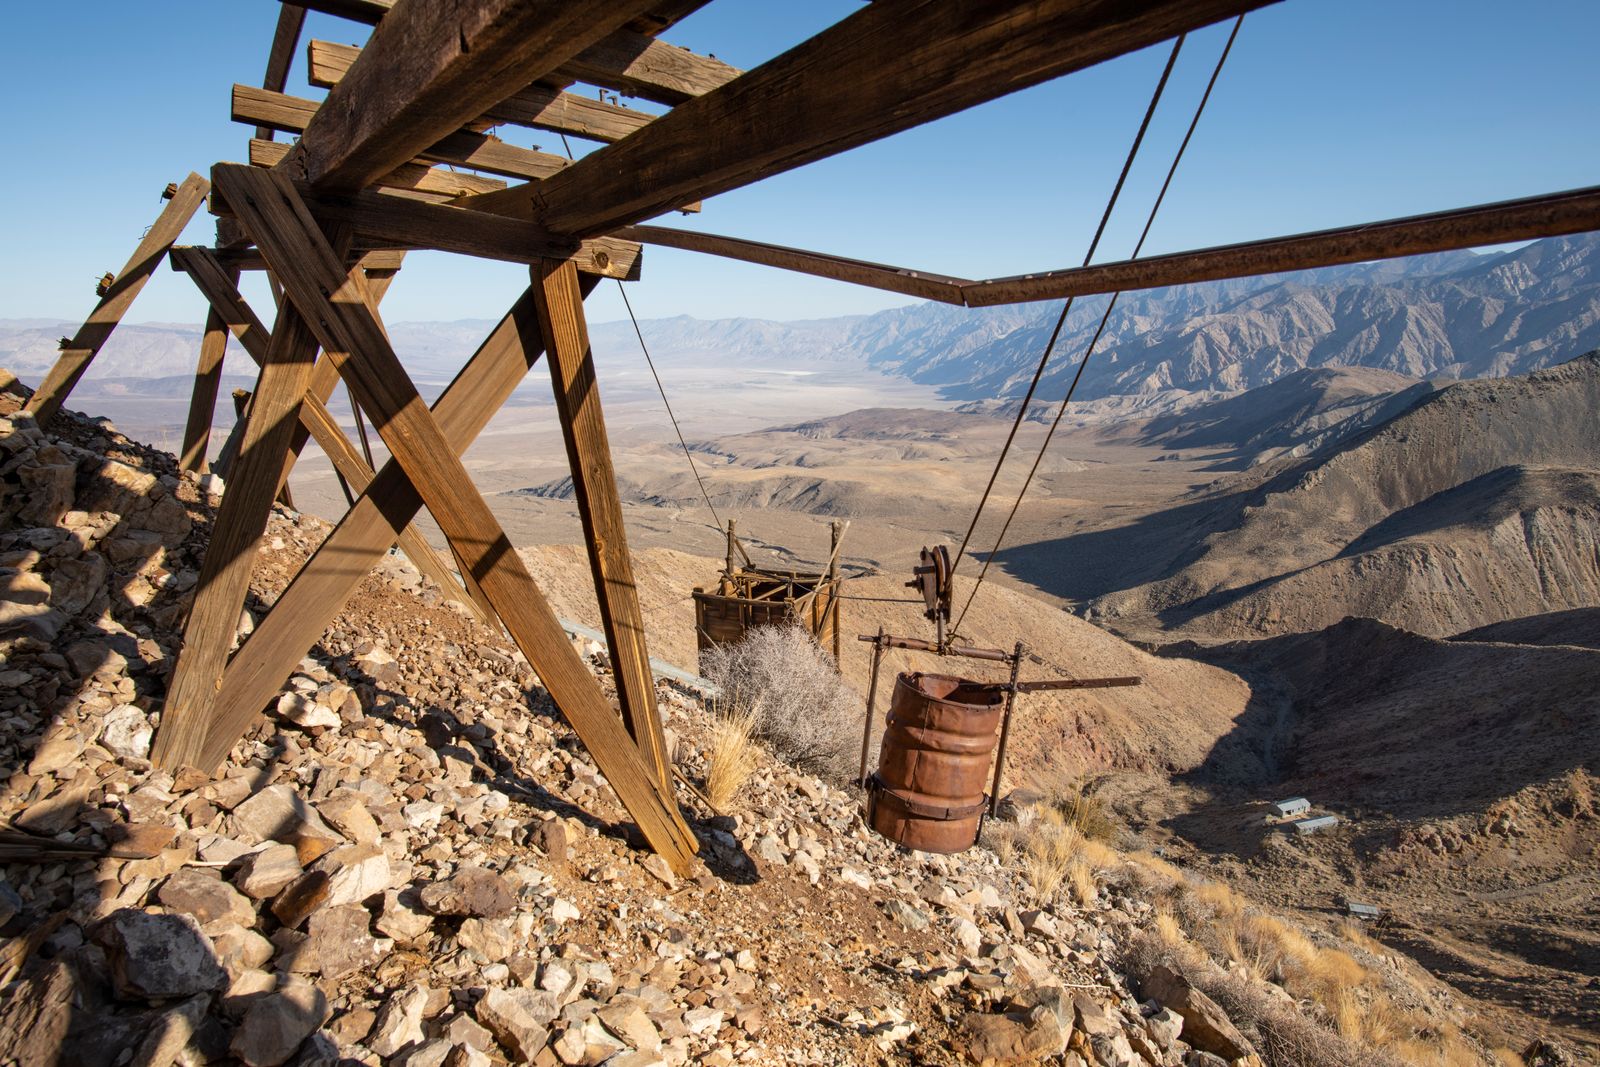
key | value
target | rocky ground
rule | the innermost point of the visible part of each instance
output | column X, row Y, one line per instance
column 412, row 860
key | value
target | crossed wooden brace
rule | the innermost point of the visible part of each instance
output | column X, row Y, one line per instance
column 212, row 701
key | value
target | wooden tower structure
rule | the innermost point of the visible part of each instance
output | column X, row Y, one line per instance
column 331, row 216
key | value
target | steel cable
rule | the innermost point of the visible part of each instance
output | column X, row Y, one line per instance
column 1110, row 306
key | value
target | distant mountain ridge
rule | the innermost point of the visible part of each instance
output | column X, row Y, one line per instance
column 1456, row 315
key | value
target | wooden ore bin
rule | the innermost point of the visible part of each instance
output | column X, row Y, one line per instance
column 933, row 762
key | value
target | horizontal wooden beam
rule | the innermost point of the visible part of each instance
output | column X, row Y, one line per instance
column 642, row 66
column 537, row 106
column 818, row 264
column 293, row 114
column 430, row 68
column 627, row 61
column 376, row 261
column 436, row 184
column 396, row 222
column 1551, row 215
column 890, row 66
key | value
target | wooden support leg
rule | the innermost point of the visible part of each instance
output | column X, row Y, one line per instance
column 203, row 399
column 340, row 310
column 318, row 593
column 560, row 309
column 316, row 422
column 225, row 572
column 92, row 335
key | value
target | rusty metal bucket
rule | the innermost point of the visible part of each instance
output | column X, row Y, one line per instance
column 933, row 764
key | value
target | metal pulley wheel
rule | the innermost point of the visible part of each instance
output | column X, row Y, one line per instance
column 931, row 577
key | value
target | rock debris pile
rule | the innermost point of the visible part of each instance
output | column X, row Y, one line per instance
column 411, row 859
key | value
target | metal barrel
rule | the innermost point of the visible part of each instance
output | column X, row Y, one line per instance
column 928, row 792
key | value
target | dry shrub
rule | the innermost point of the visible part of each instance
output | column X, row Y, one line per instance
column 733, row 757
column 789, row 687
column 1352, row 931
column 1098, row 855
column 1083, row 810
column 1049, row 845
column 1085, row 890
column 1508, row 1057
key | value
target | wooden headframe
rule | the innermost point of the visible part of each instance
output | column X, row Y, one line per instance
column 402, row 154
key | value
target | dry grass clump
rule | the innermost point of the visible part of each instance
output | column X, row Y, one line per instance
column 798, row 705
column 1086, row 812
column 1236, row 953
column 732, row 759
column 1085, row 889
column 1049, row 846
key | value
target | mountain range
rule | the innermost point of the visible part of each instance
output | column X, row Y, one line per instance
column 1455, row 315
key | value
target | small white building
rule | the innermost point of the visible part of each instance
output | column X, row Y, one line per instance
column 1320, row 823
column 1285, row 809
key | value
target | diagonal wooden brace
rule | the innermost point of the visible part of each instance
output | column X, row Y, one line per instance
column 318, row 593
column 225, row 572
column 229, row 306
column 583, row 424
column 96, row 330
column 339, row 309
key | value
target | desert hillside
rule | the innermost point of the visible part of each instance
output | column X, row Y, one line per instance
column 1474, row 505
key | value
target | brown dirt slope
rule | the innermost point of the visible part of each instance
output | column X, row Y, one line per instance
column 1169, row 723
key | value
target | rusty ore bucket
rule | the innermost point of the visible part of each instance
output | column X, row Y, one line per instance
column 928, row 792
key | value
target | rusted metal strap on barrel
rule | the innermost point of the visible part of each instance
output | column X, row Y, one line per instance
column 922, row 810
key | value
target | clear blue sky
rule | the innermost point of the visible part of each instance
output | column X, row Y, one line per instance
column 1330, row 111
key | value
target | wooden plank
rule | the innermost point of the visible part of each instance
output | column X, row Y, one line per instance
column 559, row 307
column 318, row 593
column 400, row 222
column 1552, row 215
column 244, row 259
column 230, row 309
column 203, row 396
column 640, row 65
column 97, row 329
column 818, row 264
column 230, row 556
column 864, row 78
column 293, row 114
column 429, row 69
column 630, row 61
column 291, row 17
column 437, row 184
column 340, row 311
column 537, row 106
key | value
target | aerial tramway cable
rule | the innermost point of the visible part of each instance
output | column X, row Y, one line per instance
column 693, row 469
column 1049, row 348
column 1095, row 340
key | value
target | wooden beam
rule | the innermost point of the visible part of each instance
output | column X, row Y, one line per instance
column 318, row 593
column 890, row 66
column 401, row 222
column 340, row 311
column 250, row 258
column 203, row 396
column 1552, row 215
column 293, row 114
column 818, row 264
column 78, row 353
column 640, row 65
column 629, row 61
column 537, row 106
column 231, row 311
column 559, row 307
column 291, row 17
column 435, row 184
column 431, row 68
column 230, row 555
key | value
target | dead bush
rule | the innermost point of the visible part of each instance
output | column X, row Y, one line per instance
column 732, row 758
column 798, row 705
